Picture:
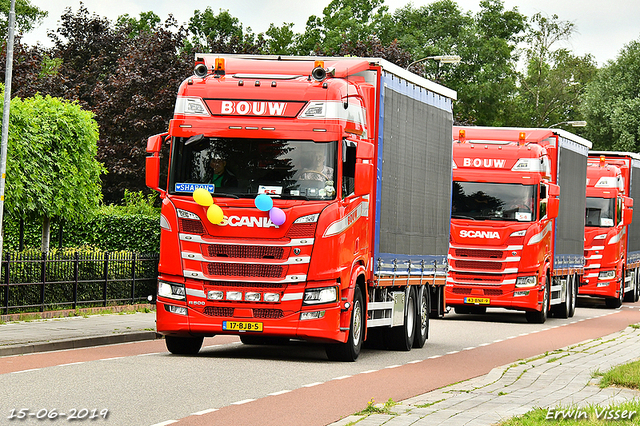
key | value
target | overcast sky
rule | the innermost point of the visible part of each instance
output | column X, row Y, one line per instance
column 602, row 28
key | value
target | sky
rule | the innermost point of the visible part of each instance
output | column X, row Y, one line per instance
column 601, row 28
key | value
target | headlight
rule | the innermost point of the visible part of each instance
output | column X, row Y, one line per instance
column 607, row 275
column 171, row 290
column 527, row 281
column 315, row 296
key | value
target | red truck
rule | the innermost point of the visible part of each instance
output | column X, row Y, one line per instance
column 307, row 198
column 515, row 242
column 612, row 240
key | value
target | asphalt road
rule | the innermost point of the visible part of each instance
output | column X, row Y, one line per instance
column 235, row 384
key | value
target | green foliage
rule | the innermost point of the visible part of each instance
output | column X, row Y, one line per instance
column 51, row 165
column 611, row 104
column 28, row 16
column 147, row 23
column 626, row 375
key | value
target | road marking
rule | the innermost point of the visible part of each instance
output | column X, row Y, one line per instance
column 368, row 371
column 310, row 385
column 415, row 362
column 469, row 348
column 279, row 393
column 244, row 401
column 71, row 363
column 110, row 359
column 452, row 352
column 200, row 413
column 168, row 422
column 25, row 371
column 341, row 377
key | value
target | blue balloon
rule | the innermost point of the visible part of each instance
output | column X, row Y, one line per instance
column 264, row 202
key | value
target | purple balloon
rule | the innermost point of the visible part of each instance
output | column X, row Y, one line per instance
column 277, row 216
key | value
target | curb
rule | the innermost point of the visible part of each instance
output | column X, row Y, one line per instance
column 30, row 348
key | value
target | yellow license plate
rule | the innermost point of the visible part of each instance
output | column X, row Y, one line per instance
column 477, row 300
column 241, row 326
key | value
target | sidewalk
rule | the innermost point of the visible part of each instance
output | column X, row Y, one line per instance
column 554, row 381
column 24, row 337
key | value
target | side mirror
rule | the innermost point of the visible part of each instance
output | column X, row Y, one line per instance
column 553, row 207
column 554, row 190
column 627, row 213
column 364, row 174
column 152, row 162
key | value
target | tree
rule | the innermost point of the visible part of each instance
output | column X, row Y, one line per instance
column 349, row 21
column 554, row 80
column 27, row 16
column 51, row 166
column 137, row 101
column 221, row 33
column 611, row 103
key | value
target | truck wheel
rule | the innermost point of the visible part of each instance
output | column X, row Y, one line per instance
column 574, row 295
column 539, row 317
column 616, row 302
column 422, row 318
column 401, row 338
column 564, row 309
column 632, row 296
column 637, row 286
column 350, row 350
column 183, row 345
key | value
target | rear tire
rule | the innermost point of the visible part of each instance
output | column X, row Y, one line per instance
column 422, row 317
column 564, row 309
column 401, row 338
column 350, row 350
column 574, row 295
column 183, row 345
column 539, row 317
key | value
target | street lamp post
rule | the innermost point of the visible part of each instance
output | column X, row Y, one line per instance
column 579, row 123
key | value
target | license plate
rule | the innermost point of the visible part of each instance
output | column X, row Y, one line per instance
column 241, row 326
column 477, row 300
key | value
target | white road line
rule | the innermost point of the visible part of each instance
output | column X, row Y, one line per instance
column 279, row 392
column 341, row 377
column 71, row 363
column 200, row 413
column 415, row 362
column 244, row 401
column 25, row 371
column 168, row 422
column 310, row 385
column 368, row 371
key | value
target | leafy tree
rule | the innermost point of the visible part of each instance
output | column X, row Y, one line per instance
column 554, row 80
column 51, row 165
column 147, row 23
column 349, row 21
column 612, row 103
column 27, row 16
column 221, row 33
column 137, row 101
column 280, row 40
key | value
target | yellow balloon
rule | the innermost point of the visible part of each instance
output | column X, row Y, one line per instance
column 202, row 197
column 214, row 214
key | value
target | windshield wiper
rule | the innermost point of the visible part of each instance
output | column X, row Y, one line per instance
column 222, row 194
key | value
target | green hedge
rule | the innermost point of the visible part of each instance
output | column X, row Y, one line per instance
column 106, row 230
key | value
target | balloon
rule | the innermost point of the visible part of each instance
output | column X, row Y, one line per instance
column 264, row 202
column 277, row 216
column 214, row 214
column 202, row 197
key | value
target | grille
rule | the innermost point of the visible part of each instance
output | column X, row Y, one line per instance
column 479, row 254
column 492, row 292
column 191, row 226
column 244, row 252
column 245, row 285
column 484, row 266
column 302, row 230
column 216, row 311
column 268, row 313
column 477, row 279
column 244, row 270
column 461, row 290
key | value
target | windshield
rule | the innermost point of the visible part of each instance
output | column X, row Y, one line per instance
column 600, row 212
column 493, row 201
column 247, row 167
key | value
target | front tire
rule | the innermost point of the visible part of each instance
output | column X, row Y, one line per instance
column 350, row 350
column 539, row 317
column 183, row 345
column 616, row 302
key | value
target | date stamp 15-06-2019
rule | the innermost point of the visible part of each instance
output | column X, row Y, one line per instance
column 54, row 414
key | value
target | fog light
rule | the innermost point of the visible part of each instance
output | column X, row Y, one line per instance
column 234, row 295
column 215, row 295
column 520, row 293
column 311, row 315
column 272, row 297
column 180, row 310
column 252, row 297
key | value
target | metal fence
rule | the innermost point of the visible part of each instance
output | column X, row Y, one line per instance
column 44, row 281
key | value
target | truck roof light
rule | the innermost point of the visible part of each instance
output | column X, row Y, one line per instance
column 602, row 161
column 461, row 135
column 218, row 68
column 521, row 137
column 317, row 64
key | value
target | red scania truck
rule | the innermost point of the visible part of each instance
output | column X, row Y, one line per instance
column 612, row 240
column 516, row 240
column 329, row 216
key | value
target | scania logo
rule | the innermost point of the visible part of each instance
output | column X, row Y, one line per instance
column 249, row 221
column 479, row 234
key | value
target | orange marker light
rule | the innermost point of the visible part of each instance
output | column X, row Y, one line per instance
column 461, row 135
column 219, row 64
column 317, row 64
column 521, row 137
column 602, row 161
